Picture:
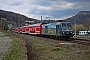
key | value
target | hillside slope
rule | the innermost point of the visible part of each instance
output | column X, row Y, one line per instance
column 80, row 17
column 15, row 17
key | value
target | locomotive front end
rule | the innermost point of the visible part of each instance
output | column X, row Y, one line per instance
column 67, row 29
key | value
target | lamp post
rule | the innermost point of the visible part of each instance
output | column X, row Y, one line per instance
column 48, row 18
column 75, row 27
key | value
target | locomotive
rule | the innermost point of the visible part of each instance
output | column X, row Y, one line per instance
column 56, row 29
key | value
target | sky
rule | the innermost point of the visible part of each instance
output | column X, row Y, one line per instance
column 55, row 9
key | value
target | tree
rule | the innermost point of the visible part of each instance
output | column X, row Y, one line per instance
column 3, row 24
column 79, row 27
column 87, row 24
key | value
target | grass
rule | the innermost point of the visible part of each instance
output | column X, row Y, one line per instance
column 48, row 50
column 6, row 34
column 52, row 51
column 17, row 51
column 82, row 37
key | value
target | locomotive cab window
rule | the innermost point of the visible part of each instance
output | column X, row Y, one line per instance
column 66, row 26
column 69, row 26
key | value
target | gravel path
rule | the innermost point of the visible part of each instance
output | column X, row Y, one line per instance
column 5, row 43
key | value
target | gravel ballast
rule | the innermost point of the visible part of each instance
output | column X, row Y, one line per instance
column 5, row 43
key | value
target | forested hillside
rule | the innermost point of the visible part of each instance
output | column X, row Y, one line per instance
column 15, row 17
column 80, row 17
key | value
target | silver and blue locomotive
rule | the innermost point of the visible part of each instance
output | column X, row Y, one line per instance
column 57, row 29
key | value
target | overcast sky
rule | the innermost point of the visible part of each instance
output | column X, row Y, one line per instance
column 55, row 9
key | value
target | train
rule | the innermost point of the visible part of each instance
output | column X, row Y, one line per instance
column 55, row 29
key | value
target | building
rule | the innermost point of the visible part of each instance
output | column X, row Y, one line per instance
column 84, row 32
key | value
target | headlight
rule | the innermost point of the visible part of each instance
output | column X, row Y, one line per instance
column 71, row 32
column 63, row 32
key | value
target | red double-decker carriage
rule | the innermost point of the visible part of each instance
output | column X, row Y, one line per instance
column 30, row 29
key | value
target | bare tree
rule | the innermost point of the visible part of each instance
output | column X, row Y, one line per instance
column 79, row 27
column 87, row 24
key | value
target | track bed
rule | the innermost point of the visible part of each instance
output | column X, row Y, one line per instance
column 43, row 48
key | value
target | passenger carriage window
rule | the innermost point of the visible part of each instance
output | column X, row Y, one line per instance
column 38, row 29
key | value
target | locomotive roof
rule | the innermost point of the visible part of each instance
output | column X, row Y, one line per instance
column 36, row 24
column 55, row 23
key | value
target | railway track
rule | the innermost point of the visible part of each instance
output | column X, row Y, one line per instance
column 71, row 40
column 81, row 41
column 31, row 54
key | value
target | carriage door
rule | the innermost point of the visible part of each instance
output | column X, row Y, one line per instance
column 58, row 30
column 46, row 29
